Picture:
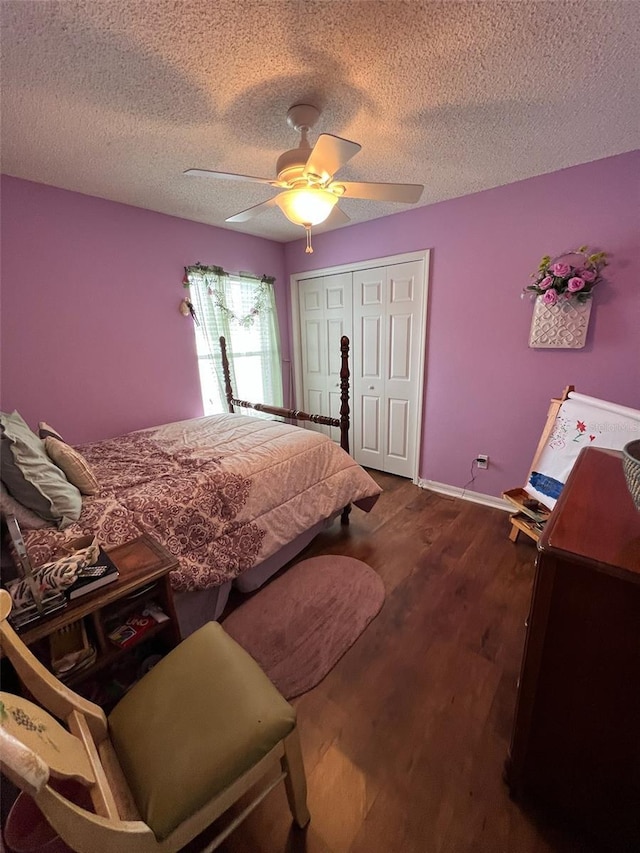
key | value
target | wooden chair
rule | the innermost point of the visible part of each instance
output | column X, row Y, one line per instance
column 184, row 744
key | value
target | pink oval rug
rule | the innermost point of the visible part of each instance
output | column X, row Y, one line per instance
column 299, row 626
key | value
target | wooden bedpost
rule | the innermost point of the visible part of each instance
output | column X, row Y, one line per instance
column 228, row 390
column 344, row 409
column 344, row 393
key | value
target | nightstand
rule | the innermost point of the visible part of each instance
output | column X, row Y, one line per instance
column 144, row 567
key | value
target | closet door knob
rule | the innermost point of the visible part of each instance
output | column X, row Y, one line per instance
column 371, row 387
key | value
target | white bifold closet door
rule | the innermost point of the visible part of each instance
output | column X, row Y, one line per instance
column 388, row 313
column 325, row 316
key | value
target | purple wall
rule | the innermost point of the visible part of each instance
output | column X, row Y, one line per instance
column 92, row 340
column 486, row 391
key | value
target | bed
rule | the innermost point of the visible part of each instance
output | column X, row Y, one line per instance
column 233, row 497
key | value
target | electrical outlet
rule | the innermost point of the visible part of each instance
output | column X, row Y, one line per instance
column 482, row 460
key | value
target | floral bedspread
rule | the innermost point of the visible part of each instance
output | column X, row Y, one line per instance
column 221, row 493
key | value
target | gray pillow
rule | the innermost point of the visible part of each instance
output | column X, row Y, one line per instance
column 26, row 518
column 32, row 478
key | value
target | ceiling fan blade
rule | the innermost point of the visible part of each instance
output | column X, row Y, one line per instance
column 250, row 212
column 408, row 193
column 329, row 154
column 336, row 218
column 205, row 173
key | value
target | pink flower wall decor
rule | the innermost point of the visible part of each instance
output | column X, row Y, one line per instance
column 572, row 275
column 562, row 289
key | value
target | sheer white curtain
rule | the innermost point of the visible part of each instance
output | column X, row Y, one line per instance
column 243, row 309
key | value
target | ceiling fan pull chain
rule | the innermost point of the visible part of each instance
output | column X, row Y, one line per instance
column 309, row 249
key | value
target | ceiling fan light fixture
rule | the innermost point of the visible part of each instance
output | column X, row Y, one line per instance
column 306, row 206
column 305, row 176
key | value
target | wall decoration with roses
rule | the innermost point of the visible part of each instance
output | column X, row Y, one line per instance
column 571, row 276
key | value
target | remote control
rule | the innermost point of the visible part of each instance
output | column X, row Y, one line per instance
column 92, row 571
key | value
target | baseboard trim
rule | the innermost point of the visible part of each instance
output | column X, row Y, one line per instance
column 466, row 495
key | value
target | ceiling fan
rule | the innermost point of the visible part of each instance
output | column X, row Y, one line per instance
column 305, row 176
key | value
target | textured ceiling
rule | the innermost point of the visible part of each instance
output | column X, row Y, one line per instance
column 116, row 98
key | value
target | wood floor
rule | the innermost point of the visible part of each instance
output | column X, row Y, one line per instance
column 404, row 741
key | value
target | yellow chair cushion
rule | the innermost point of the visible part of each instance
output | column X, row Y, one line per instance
column 204, row 715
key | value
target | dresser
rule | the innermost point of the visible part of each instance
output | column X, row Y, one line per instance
column 575, row 746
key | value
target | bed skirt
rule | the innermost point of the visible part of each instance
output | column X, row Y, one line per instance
column 195, row 609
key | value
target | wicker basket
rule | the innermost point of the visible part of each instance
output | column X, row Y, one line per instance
column 631, row 465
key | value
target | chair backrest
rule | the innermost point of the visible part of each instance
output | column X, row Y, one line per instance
column 35, row 748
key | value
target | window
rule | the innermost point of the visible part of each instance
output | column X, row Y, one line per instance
column 242, row 308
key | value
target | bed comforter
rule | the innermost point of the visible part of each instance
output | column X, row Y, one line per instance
column 221, row 493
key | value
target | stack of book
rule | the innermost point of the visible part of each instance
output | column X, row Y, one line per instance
column 93, row 577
